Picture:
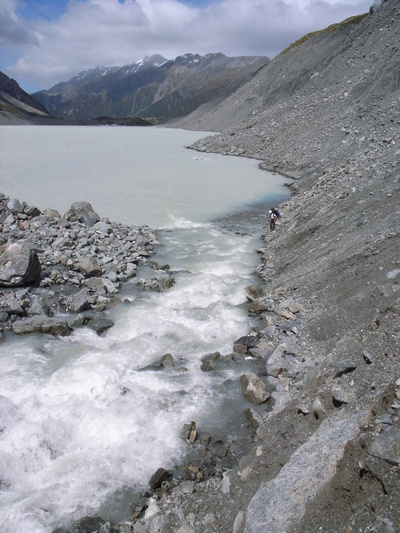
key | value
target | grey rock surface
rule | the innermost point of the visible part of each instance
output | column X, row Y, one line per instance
column 19, row 265
column 42, row 324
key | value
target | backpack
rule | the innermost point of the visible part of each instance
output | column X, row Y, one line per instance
column 276, row 212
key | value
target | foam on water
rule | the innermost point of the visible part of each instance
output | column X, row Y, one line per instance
column 83, row 423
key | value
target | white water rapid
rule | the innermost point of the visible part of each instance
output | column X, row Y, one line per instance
column 82, row 427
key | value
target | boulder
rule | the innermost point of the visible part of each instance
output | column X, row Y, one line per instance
column 209, row 361
column 80, row 301
column 89, row 267
column 82, row 212
column 166, row 361
column 158, row 478
column 253, row 418
column 95, row 284
column 281, row 503
column 38, row 306
column 53, row 213
column 32, row 211
column 253, row 389
column 15, row 206
column 242, row 345
column 189, row 432
column 100, row 324
column 42, row 324
column 19, row 265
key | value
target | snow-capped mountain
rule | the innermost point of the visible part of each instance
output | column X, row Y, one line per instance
column 152, row 88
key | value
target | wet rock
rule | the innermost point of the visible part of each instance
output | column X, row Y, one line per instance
column 259, row 305
column 209, row 361
column 82, row 319
column 19, row 265
column 242, row 345
column 100, row 325
column 158, row 478
column 42, row 324
column 189, row 432
column 253, row 418
column 90, row 524
column 82, row 212
column 253, row 389
column 166, row 361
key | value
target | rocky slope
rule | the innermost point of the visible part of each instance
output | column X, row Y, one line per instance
column 17, row 106
column 327, row 329
column 155, row 88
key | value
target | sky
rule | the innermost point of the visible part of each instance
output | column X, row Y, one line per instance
column 43, row 42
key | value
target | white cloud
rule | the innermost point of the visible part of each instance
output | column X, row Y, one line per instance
column 13, row 31
column 107, row 32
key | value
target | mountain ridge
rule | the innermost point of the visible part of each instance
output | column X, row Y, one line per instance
column 153, row 88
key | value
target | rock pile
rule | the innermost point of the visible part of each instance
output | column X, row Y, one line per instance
column 75, row 263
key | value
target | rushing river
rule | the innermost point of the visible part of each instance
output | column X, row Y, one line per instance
column 81, row 427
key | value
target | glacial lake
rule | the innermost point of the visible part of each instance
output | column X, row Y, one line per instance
column 138, row 175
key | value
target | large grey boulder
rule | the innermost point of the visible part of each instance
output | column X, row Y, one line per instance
column 15, row 206
column 82, row 212
column 281, row 503
column 42, row 324
column 19, row 265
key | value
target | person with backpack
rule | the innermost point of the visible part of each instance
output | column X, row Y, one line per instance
column 273, row 217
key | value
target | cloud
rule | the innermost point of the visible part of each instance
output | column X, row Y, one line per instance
column 13, row 30
column 112, row 32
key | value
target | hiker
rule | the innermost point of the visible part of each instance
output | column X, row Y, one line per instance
column 272, row 218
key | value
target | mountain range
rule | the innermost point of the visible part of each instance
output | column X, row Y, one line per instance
column 154, row 89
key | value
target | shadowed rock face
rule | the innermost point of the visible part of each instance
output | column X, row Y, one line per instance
column 19, row 265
